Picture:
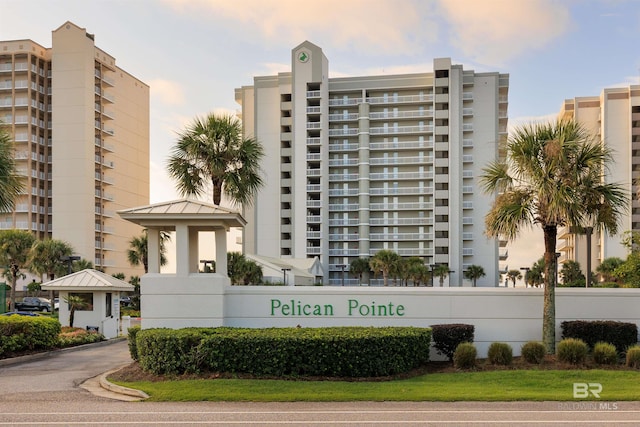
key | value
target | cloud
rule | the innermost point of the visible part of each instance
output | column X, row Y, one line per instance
column 371, row 27
column 495, row 31
column 163, row 188
column 167, row 92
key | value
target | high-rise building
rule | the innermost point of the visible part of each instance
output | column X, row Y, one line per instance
column 359, row 164
column 614, row 118
column 81, row 130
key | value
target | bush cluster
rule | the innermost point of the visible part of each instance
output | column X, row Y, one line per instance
column 605, row 353
column 24, row 333
column 572, row 350
column 500, row 353
column 620, row 334
column 533, row 352
column 133, row 349
column 447, row 337
column 633, row 357
column 70, row 337
column 338, row 352
column 465, row 356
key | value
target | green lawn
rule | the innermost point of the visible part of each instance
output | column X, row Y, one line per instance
column 506, row 385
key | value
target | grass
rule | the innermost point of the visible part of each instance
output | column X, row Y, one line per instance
column 503, row 385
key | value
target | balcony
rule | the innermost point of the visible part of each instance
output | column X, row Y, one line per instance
column 400, row 129
column 343, row 222
column 341, row 207
column 416, row 206
column 336, row 102
column 343, row 117
column 400, row 145
column 394, row 237
column 341, row 192
column 343, row 162
column 343, row 177
column 400, row 160
column 388, row 176
column 343, row 132
column 401, row 114
column 343, row 147
column 400, row 221
column 400, row 191
column 400, row 99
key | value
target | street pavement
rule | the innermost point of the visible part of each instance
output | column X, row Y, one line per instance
column 53, row 390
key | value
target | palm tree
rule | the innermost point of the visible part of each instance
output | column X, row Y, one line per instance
column 385, row 262
column 15, row 246
column 82, row 264
column 46, row 257
column 514, row 275
column 359, row 267
column 473, row 273
column 442, row 271
column 75, row 303
column 11, row 183
column 553, row 176
column 138, row 253
column 535, row 275
column 213, row 151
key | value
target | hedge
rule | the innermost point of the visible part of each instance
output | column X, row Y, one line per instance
column 333, row 352
column 447, row 337
column 620, row 334
column 26, row 333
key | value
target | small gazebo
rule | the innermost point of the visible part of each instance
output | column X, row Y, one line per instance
column 101, row 293
column 188, row 297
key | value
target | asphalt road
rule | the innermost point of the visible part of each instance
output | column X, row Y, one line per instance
column 48, row 391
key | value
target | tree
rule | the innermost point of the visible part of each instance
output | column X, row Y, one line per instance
column 46, row 257
column 75, row 303
column 138, row 253
column 243, row 271
column 473, row 273
column 15, row 246
column 571, row 274
column 81, row 264
column 359, row 267
column 213, row 151
column 553, row 176
column 385, row 262
column 535, row 275
column 514, row 275
column 442, row 271
column 607, row 268
column 11, row 184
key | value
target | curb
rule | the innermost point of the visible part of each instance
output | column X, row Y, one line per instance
column 105, row 384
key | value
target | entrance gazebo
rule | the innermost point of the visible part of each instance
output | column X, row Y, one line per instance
column 186, row 297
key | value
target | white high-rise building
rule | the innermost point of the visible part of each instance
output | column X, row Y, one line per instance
column 360, row 164
column 81, row 130
column 614, row 117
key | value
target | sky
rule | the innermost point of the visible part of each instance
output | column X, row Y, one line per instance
column 194, row 53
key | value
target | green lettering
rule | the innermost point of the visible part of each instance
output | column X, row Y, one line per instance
column 328, row 310
column 275, row 304
column 400, row 310
column 353, row 304
column 306, row 309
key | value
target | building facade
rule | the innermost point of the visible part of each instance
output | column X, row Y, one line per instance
column 360, row 164
column 613, row 117
column 81, row 130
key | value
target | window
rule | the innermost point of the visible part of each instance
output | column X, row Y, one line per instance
column 86, row 299
column 108, row 304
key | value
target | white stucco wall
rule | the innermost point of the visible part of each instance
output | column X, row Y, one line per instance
column 507, row 315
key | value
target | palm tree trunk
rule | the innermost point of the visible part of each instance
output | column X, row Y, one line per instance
column 549, row 310
column 12, row 293
column 217, row 192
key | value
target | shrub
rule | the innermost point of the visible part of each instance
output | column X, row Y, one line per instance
column 533, row 352
column 465, row 356
column 25, row 333
column 70, row 337
column 620, row 334
column 446, row 338
column 500, row 353
column 633, row 357
column 605, row 353
column 338, row 351
column 572, row 350
column 131, row 339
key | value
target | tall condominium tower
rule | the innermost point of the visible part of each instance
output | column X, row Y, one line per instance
column 81, row 131
column 613, row 117
column 360, row 164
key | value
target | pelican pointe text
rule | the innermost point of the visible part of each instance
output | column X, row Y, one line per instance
column 353, row 307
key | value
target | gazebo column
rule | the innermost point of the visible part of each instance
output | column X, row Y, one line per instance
column 153, row 250
column 221, row 251
column 182, row 250
column 193, row 250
